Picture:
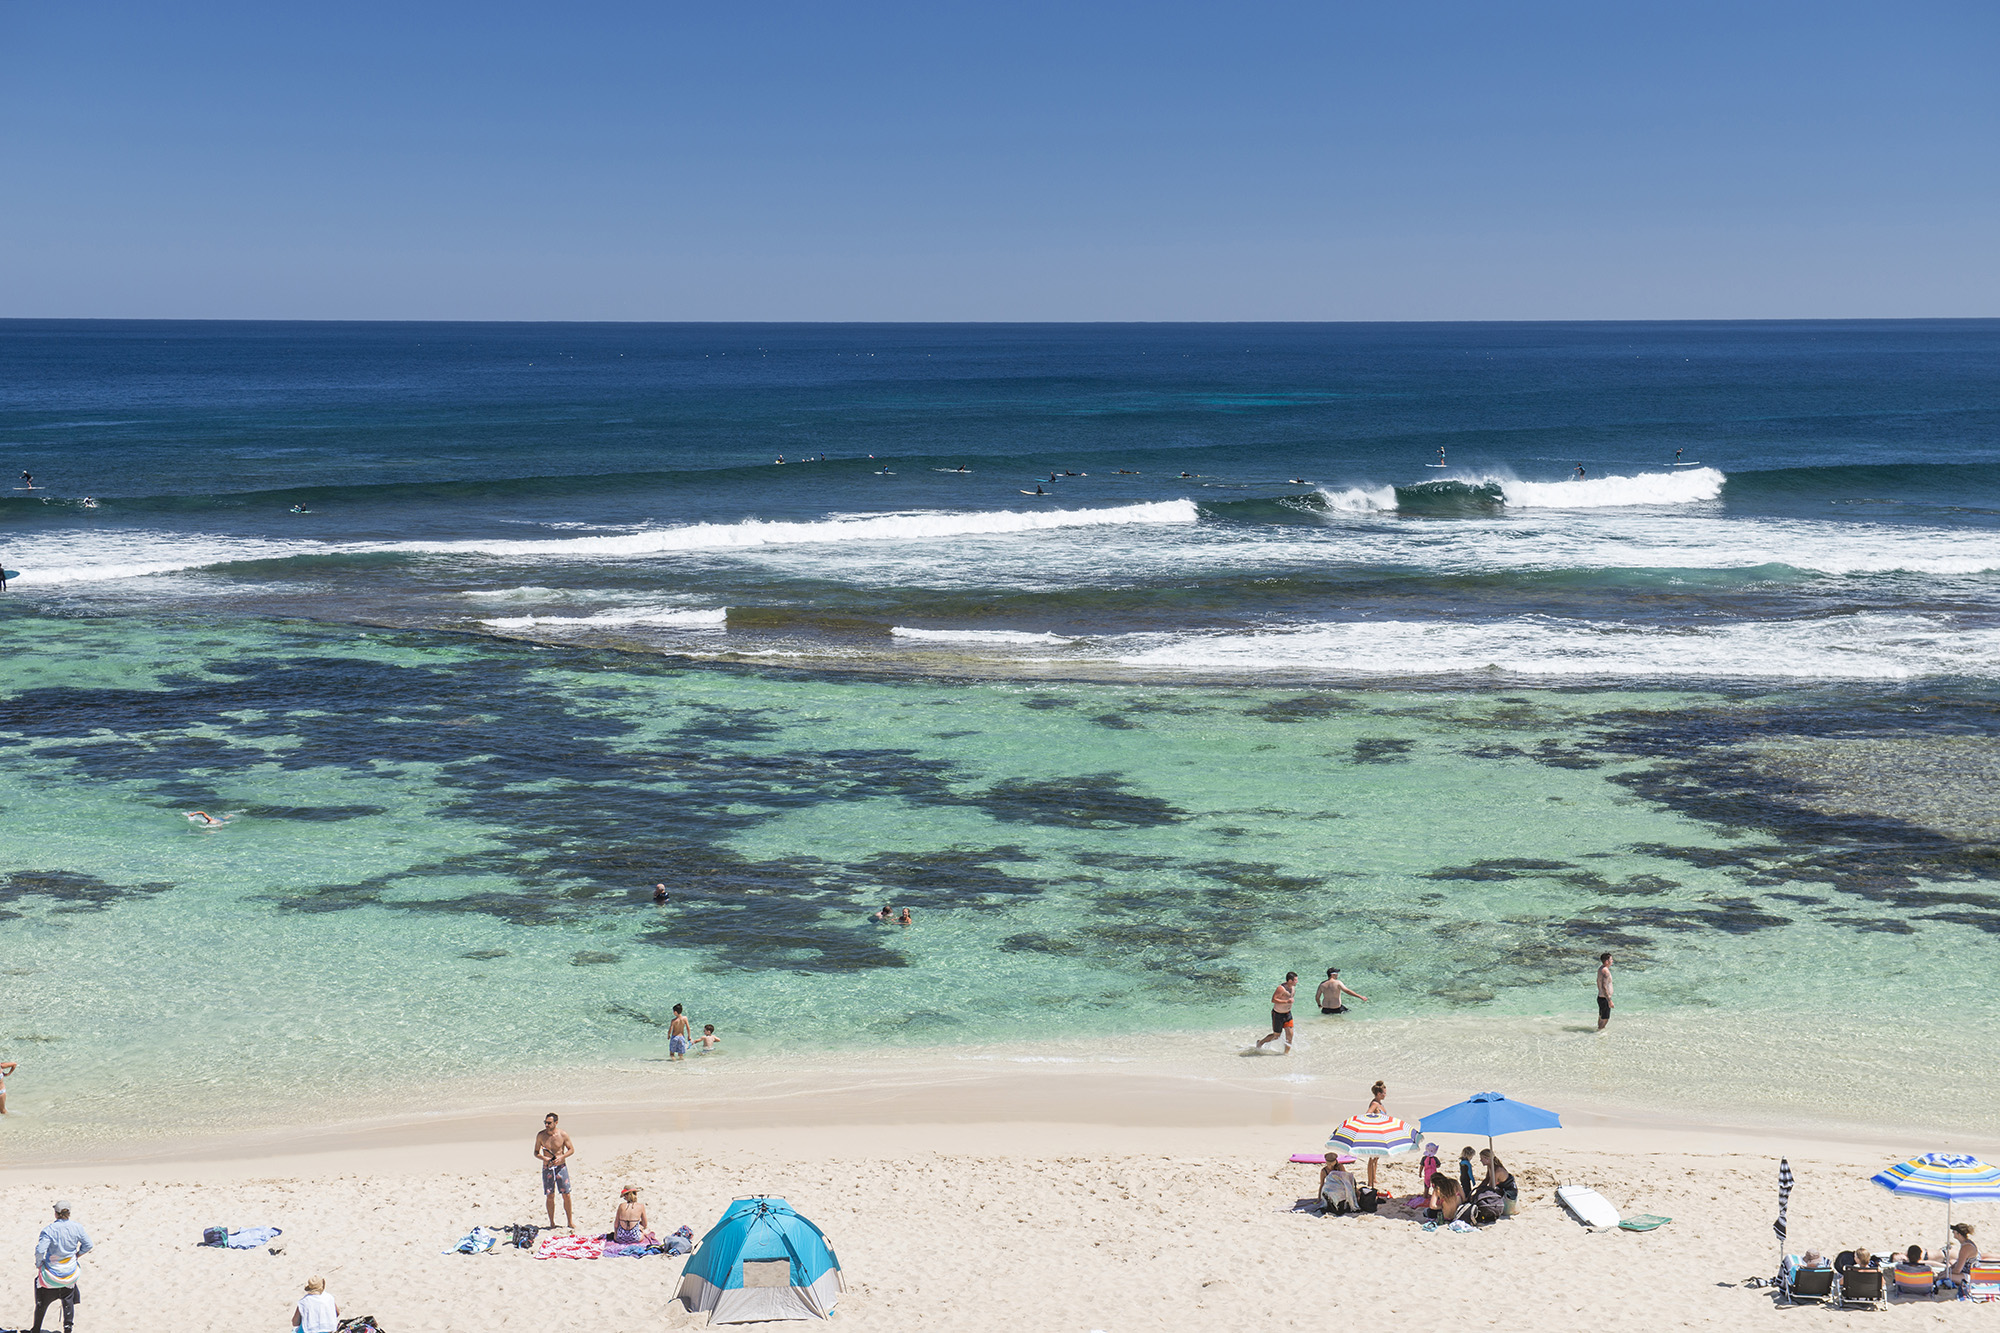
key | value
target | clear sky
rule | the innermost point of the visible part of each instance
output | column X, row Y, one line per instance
column 1016, row 160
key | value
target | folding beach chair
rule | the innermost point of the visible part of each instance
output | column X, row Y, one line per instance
column 1862, row 1289
column 1980, row 1283
column 1808, row 1284
column 1914, row 1280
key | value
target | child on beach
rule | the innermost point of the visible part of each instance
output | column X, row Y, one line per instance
column 709, row 1041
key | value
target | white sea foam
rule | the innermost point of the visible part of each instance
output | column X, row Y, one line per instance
column 1359, row 499
column 679, row 617
column 523, row 593
column 1647, row 488
column 922, row 526
column 976, row 635
column 1864, row 646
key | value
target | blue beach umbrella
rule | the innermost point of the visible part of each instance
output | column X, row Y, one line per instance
column 1947, row 1176
column 1488, row 1113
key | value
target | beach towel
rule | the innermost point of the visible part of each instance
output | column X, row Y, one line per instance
column 476, row 1241
column 1644, row 1222
column 570, row 1247
column 681, row 1242
column 249, row 1238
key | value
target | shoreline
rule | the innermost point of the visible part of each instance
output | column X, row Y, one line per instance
column 1147, row 1084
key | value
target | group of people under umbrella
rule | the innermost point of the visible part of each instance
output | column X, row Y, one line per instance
column 1860, row 1276
column 1376, row 1134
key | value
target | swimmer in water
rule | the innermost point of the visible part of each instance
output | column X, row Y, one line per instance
column 659, row 893
column 887, row 913
column 904, row 920
column 203, row 819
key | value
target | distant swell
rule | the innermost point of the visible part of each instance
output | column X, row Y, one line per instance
column 754, row 532
column 658, row 616
column 1867, row 646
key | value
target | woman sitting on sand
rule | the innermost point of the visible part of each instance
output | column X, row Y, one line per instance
column 316, row 1311
column 628, row 1224
column 1336, row 1186
column 1968, row 1251
column 1444, row 1200
column 1498, row 1177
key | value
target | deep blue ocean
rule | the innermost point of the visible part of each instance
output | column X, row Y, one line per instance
column 1142, row 662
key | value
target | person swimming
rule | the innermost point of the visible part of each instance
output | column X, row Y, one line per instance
column 203, row 819
column 659, row 893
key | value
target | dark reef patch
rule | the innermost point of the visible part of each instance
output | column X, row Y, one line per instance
column 1101, row 800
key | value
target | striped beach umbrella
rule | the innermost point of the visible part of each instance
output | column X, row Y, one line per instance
column 1947, row 1176
column 1373, row 1136
column 1784, row 1202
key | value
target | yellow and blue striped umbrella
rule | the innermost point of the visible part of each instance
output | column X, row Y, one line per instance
column 1947, row 1176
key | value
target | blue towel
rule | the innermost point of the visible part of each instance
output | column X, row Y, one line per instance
column 249, row 1238
column 476, row 1241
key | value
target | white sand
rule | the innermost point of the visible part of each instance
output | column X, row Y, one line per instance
column 958, row 1223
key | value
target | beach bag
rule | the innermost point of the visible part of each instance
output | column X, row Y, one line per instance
column 360, row 1324
column 1487, row 1206
column 215, row 1236
column 1367, row 1199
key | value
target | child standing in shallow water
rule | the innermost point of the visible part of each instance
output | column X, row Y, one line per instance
column 709, row 1041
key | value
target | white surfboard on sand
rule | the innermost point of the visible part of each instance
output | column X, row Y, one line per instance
column 1587, row 1206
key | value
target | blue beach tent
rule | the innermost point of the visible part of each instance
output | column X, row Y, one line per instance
column 762, row 1261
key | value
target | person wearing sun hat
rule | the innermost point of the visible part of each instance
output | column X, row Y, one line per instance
column 628, row 1224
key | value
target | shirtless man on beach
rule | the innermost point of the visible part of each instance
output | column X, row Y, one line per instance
column 552, row 1150
column 1281, row 1012
column 1603, row 991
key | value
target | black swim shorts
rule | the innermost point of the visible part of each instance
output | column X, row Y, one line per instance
column 1279, row 1022
column 1603, row 1007
column 1323, row 1009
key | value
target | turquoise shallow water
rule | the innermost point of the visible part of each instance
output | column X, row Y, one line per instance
column 439, row 852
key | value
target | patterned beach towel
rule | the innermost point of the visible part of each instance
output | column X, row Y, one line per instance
column 570, row 1247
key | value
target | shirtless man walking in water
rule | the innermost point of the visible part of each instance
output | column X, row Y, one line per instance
column 552, row 1150
column 1603, row 991
column 1281, row 1012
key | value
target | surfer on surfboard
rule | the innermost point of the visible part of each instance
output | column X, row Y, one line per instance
column 1579, row 472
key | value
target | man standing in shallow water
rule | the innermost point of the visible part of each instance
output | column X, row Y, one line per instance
column 1281, row 1012
column 1603, row 990
column 552, row 1149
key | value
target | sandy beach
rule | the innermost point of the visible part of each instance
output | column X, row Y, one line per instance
column 1127, row 1208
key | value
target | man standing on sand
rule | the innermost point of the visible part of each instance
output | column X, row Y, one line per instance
column 552, row 1150
column 1281, row 1012
column 1603, row 990
column 1331, row 990
column 58, row 1251
column 680, row 1035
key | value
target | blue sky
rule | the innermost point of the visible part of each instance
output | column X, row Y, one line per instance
column 1000, row 161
